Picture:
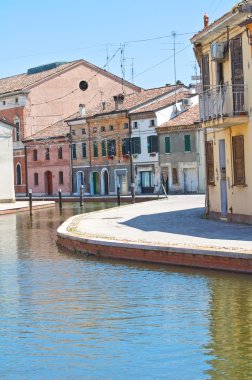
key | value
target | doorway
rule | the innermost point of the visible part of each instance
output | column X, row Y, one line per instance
column 96, row 183
column 104, row 182
column 48, row 183
column 79, row 181
column 147, row 185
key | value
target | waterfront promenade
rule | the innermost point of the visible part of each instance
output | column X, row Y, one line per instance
column 9, row 208
column 172, row 231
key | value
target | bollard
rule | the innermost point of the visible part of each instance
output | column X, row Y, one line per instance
column 60, row 199
column 118, row 196
column 81, row 195
column 30, row 201
column 133, row 193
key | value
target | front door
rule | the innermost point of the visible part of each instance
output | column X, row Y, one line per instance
column 223, row 180
column 48, row 183
column 147, row 185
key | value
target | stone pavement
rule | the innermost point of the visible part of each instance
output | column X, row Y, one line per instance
column 7, row 208
column 177, row 222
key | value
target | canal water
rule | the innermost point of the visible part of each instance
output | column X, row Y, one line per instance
column 67, row 316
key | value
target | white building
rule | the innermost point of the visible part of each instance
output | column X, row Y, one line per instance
column 144, row 121
column 7, row 193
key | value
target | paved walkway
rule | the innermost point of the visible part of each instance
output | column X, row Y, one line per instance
column 7, row 208
column 176, row 222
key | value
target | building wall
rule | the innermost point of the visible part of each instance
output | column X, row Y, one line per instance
column 6, row 164
column 54, row 165
column 239, row 205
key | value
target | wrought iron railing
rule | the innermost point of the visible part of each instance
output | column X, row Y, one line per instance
column 224, row 101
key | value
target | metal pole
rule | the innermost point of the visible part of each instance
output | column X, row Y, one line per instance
column 30, row 201
column 60, row 200
column 81, row 195
column 118, row 196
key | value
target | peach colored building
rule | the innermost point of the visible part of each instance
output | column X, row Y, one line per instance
column 49, row 93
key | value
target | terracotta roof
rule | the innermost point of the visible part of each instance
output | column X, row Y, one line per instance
column 162, row 103
column 133, row 100
column 57, row 130
column 7, row 122
column 186, row 118
column 22, row 82
column 219, row 20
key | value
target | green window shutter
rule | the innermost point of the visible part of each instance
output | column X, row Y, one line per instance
column 95, row 147
column 74, row 152
column 104, row 150
column 136, row 145
column 187, row 139
column 167, row 145
column 84, row 150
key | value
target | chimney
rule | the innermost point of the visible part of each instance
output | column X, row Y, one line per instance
column 206, row 20
column 118, row 101
column 82, row 110
column 103, row 106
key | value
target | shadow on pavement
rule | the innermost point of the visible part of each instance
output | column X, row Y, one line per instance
column 191, row 223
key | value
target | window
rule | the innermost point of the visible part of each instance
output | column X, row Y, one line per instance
column 83, row 131
column 187, row 141
column 136, row 145
column 18, row 175
column 135, row 125
column 104, row 150
column 174, row 176
column 111, row 127
column 4, row 102
column 84, row 150
column 152, row 123
column 36, row 182
column 47, row 154
column 95, row 148
column 35, row 155
column 16, row 100
column 103, row 129
column 205, row 72
column 126, row 146
column 126, row 126
column 238, row 160
column 61, row 178
column 74, row 152
column 17, row 129
column 209, row 163
column 94, row 130
column 167, row 144
column 60, row 153
column 111, row 147
column 152, row 144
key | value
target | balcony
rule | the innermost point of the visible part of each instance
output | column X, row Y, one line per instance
column 225, row 105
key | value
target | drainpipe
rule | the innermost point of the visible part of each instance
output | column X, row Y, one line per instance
column 90, row 158
column 132, row 181
column 26, row 171
column 207, row 206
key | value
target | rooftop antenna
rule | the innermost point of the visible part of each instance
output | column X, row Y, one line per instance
column 132, row 70
column 107, row 58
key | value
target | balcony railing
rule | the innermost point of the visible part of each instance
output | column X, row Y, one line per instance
column 224, row 101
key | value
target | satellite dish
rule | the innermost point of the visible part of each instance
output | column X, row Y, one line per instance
column 83, row 85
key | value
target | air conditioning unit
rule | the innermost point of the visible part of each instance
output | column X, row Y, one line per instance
column 186, row 102
column 218, row 51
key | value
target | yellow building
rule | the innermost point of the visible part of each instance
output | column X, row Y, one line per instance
column 224, row 52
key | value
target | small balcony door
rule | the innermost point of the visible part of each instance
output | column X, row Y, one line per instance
column 237, row 75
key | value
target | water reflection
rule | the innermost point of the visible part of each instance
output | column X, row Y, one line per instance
column 64, row 315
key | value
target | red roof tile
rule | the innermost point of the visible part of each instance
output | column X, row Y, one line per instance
column 186, row 118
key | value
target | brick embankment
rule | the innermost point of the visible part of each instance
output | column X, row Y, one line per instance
column 10, row 208
column 166, row 231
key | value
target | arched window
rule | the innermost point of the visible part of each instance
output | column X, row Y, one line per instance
column 35, row 155
column 18, row 175
column 17, row 128
column 61, row 178
column 36, row 182
column 60, row 156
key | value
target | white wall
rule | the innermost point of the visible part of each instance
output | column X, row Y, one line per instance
column 6, row 164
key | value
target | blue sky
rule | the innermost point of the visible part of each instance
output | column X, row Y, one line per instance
column 36, row 32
